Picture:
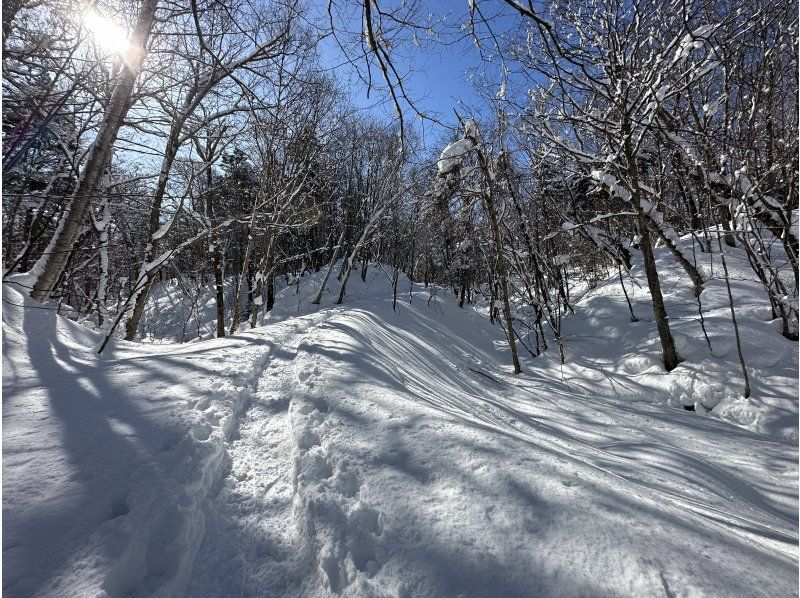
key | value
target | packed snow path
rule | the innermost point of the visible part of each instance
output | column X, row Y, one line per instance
column 252, row 545
column 413, row 476
column 362, row 451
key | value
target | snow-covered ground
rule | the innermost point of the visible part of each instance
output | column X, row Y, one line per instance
column 355, row 450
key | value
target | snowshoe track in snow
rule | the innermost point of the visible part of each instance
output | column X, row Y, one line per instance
column 167, row 534
column 252, row 538
column 342, row 533
column 286, row 517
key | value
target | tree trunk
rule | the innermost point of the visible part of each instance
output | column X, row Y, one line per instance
column 53, row 261
column 488, row 200
column 688, row 267
column 132, row 325
column 265, row 268
column 219, row 288
column 237, row 299
column 154, row 239
column 348, row 263
column 102, row 283
column 270, row 291
column 219, row 275
column 501, row 272
column 335, row 256
column 733, row 318
column 668, row 352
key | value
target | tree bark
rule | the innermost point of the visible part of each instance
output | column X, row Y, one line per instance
column 171, row 151
column 501, row 271
column 334, row 257
column 265, row 269
column 688, row 267
column 668, row 352
column 216, row 259
column 237, row 303
column 54, row 259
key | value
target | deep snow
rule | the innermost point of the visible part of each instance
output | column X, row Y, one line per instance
column 359, row 451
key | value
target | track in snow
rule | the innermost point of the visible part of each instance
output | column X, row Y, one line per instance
column 372, row 461
column 252, row 545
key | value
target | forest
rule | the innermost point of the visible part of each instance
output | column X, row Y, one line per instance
column 219, row 148
column 191, row 179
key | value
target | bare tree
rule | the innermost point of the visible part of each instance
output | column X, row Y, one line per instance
column 52, row 262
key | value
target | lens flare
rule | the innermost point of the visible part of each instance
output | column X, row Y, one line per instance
column 105, row 32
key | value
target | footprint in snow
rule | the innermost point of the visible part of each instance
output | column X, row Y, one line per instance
column 119, row 505
column 362, row 542
column 314, row 404
column 213, row 418
column 201, row 431
column 202, row 404
column 348, row 483
column 307, row 439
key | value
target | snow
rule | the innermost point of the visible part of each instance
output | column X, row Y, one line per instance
column 179, row 311
column 163, row 229
column 356, row 450
column 471, row 130
column 107, row 462
column 501, row 93
column 602, row 351
column 561, row 260
column 453, row 154
column 712, row 107
column 611, row 182
column 692, row 41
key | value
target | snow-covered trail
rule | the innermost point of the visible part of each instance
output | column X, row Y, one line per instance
column 363, row 451
column 252, row 545
column 404, row 472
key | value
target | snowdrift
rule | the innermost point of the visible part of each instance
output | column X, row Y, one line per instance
column 608, row 355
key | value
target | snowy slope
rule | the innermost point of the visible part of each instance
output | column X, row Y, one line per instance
column 107, row 462
column 183, row 310
column 359, row 451
column 416, row 476
column 610, row 356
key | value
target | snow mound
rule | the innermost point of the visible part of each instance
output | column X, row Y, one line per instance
column 610, row 356
column 453, row 155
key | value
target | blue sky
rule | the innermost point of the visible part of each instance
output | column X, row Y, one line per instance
column 437, row 76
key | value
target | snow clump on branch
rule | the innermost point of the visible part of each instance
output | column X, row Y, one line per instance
column 452, row 155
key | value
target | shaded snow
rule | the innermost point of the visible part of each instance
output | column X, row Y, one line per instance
column 355, row 450
column 107, row 462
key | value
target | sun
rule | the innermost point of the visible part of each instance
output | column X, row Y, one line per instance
column 105, row 32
